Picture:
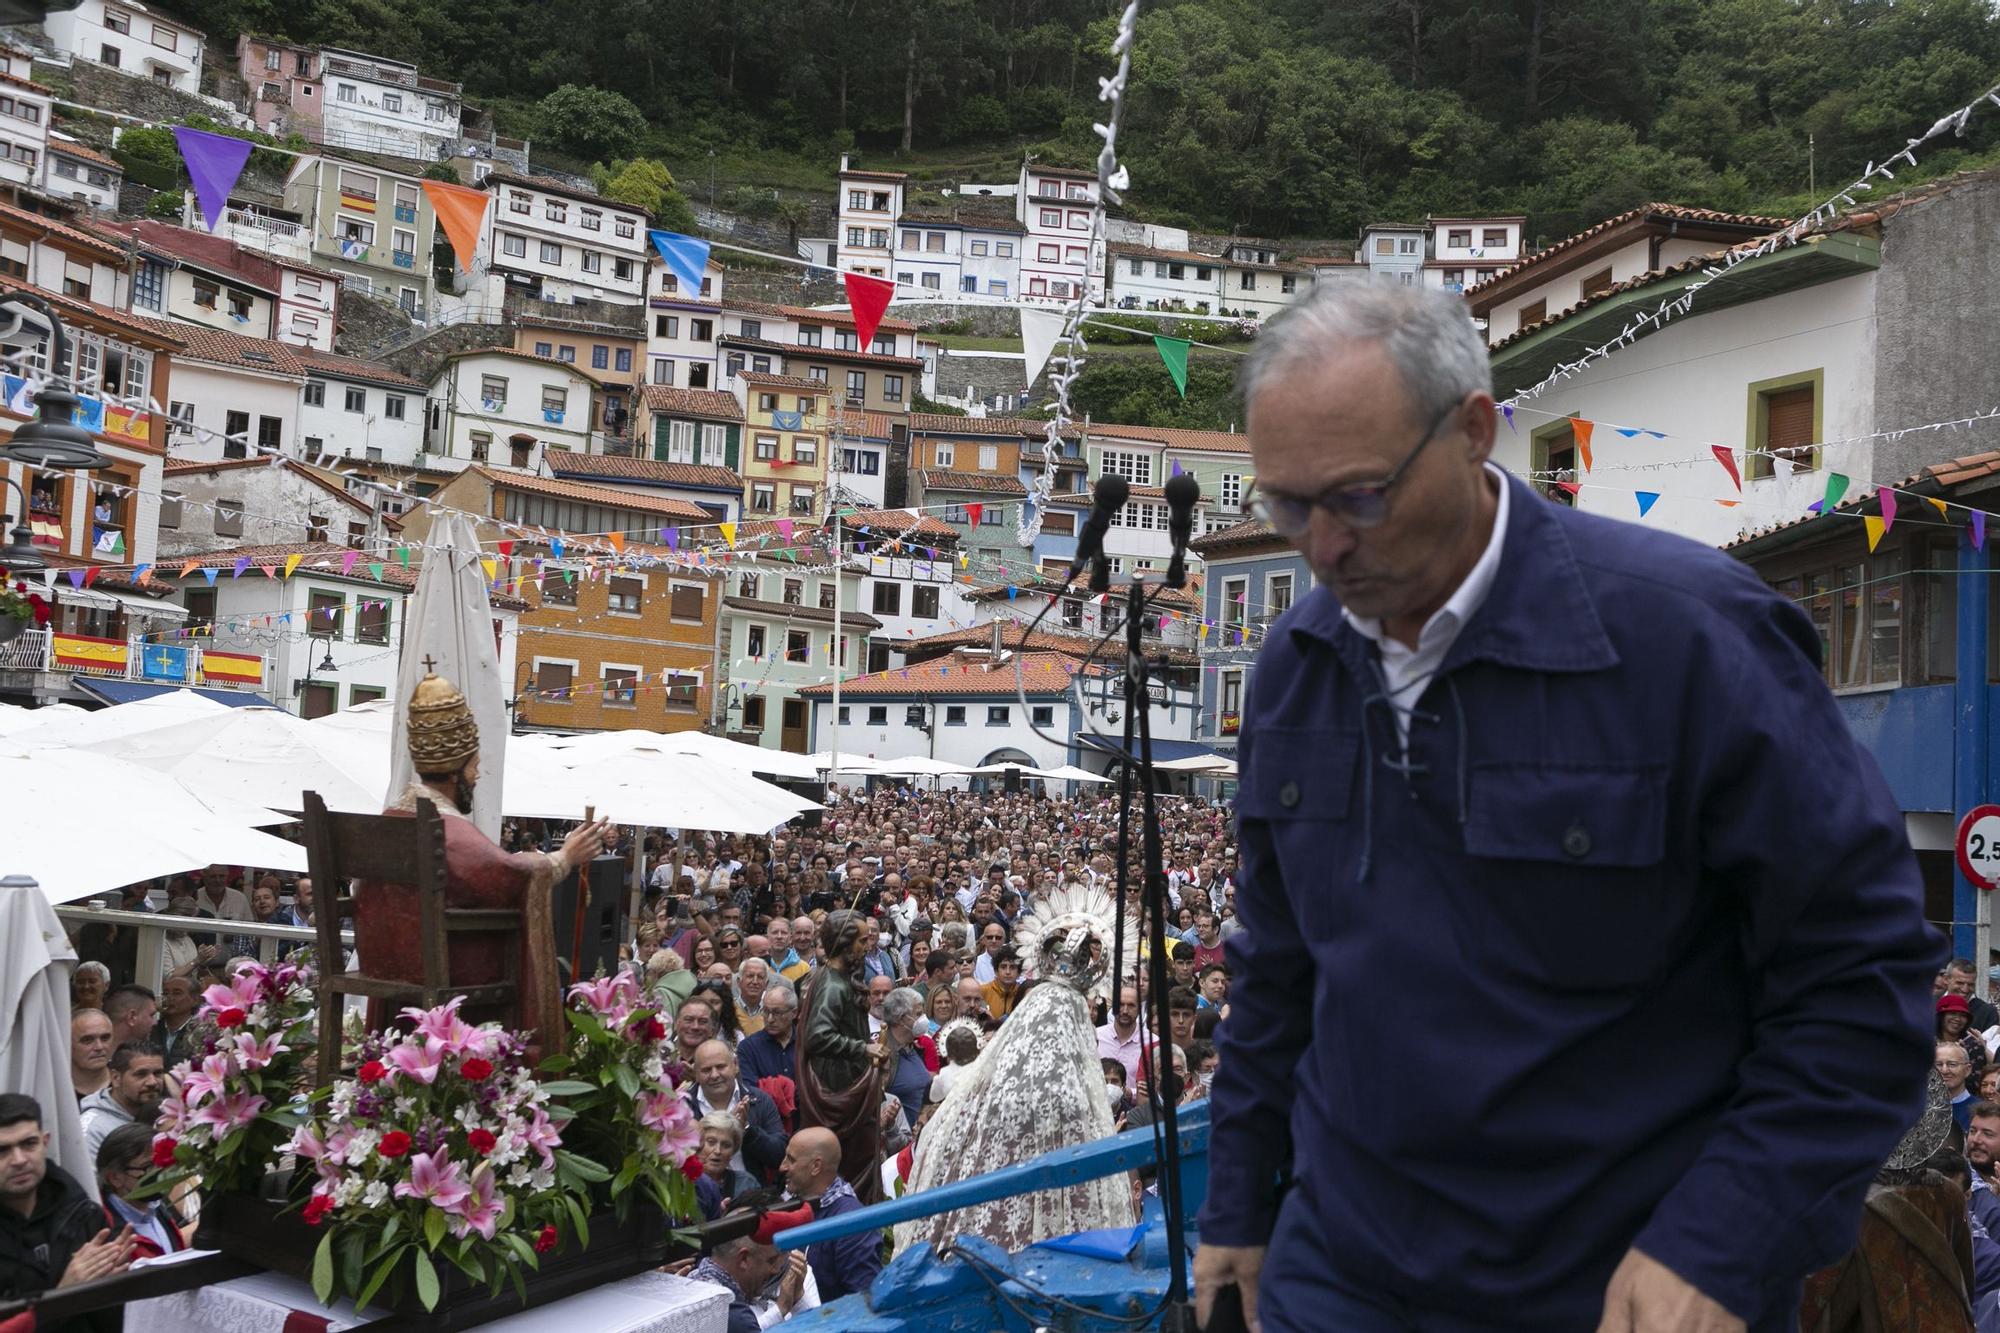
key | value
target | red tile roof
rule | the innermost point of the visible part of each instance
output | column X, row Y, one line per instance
column 567, row 464
column 856, row 173
column 1040, row 673
column 85, row 153
column 15, row 80
column 712, row 404
column 229, row 349
column 812, row 316
column 56, row 230
column 900, row 523
column 661, row 505
column 796, row 352
column 130, row 325
column 1250, row 532
column 519, row 355
column 938, row 423
column 989, row 483
column 783, row 381
column 1952, row 472
column 1643, row 213
column 354, row 368
column 549, row 186
column 819, row 615
column 1212, row 441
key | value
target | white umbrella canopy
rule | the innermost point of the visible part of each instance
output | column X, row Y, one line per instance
column 1071, row 773
column 651, row 788
column 82, row 823
column 1197, row 763
column 743, row 758
column 259, row 756
column 80, row 726
column 921, row 766
column 1025, row 770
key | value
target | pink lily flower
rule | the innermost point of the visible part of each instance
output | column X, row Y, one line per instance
column 543, row 1136
column 229, row 1112
column 172, row 1119
column 257, row 1054
column 435, row 1179
column 442, row 1025
column 244, row 991
column 209, row 1080
column 417, row 1062
column 614, row 997
column 480, row 1210
column 670, row 1117
column 305, row 1143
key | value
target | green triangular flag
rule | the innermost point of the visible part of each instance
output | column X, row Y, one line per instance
column 1836, row 486
column 403, row 554
column 569, row 576
column 375, row 568
column 1174, row 351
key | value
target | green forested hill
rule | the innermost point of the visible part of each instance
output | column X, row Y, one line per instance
column 1270, row 117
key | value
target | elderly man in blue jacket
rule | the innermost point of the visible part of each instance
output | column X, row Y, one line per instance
column 1582, row 782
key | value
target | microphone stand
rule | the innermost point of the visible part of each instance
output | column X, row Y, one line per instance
column 1177, row 1314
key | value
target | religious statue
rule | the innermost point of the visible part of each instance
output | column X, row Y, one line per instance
column 840, row 1071
column 1037, row 1086
column 444, row 748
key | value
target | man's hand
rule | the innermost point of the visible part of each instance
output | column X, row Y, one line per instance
column 102, row 1256
column 1645, row 1296
column 584, row 842
column 892, row 1106
column 741, row 1111
column 878, row 1054
column 1217, row 1266
column 793, row 1285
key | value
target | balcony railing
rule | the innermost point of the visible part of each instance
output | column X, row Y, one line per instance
column 152, row 927
column 404, row 258
column 43, row 650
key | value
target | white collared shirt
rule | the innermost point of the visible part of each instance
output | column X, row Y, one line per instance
column 1408, row 670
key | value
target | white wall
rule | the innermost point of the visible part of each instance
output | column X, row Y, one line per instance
column 864, row 255
column 677, row 310
column 566, row 276
column 1562, row 292
column 215, row 391
column 969, row 743
column 72, row 178
column 181, row 303
column 308, row 309
column 353, row 434
column 276, row 503
column 993, row 273
column 84, row 31
column 463, row 413
column 253, row 596
column 1691, row 381
column 1155, row 282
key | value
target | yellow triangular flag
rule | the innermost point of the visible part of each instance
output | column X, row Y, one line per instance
column 728, row 533
column 1944, row 510
column 491, row 566
column 292, row 563
column 1876, row 527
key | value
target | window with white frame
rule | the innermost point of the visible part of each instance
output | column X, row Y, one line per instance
column 1231, row 490
column 946, row 454
column 1277, row 594
column 714, row 442
column 1136, row 468
column 621, row 685
column 680, row 442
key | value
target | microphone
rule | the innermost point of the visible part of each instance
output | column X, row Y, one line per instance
column 1109, row 496
column 1183, row 492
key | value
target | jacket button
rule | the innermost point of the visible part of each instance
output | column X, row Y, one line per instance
column 1576, row 842
column 1288, row 795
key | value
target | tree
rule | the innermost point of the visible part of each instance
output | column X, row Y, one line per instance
column 167, row 204
column 442, row 171
column 590, row 122
column 645, row 183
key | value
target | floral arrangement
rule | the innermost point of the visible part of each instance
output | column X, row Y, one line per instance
column 17, row 603
column 627, row 1096
column 443, row 1143
column 240, row 1100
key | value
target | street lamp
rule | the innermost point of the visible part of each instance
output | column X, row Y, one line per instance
column 52, row 439
column 326, row 667
column 20, row 555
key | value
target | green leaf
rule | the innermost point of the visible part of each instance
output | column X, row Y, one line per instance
column 427, row 1281
column 589, row 1025
column 585, row 1169
column 379, row 1276
column 568, row 1088
column 626, row 1175
column 434, row 1227
column 556, row 1064
column 468, row 1263
column 577, row 1216
column 390, row 1230
column 322, row 1274
column 628, row 1079
column 520, row 1283
column 353, row 1249
column 514, row 1242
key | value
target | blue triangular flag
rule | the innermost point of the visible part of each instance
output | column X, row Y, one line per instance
column 209, row 574
column 1647, row 499
column 1507, row 411
column 556, row 547
column 687, row 256
column 1627, row 431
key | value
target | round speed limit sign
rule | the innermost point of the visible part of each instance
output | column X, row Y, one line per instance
column 1979, row 845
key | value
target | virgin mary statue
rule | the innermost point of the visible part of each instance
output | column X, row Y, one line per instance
column 1036, row 1087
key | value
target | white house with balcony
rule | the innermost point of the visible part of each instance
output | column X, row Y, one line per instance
column 1467, row 251
column 231, row 397
column 500, row 407
column 374, row 104
column 25, row 110
column 1257, row 282
column 362, row 410
column 127, row 36
column 1144, row 278
column 1054, row 207
column 682, row 326
column 213, row 503
column 555, row 242
column 867, row 204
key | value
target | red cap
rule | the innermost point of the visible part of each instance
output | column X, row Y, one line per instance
column 770, row 1224
column 1952, row 1003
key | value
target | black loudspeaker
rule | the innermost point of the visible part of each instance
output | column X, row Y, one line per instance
column 1010, row 782
column 812, row 791
column 582, row 953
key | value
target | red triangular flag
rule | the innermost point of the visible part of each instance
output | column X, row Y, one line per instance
column 1727, row 457
column 972, row 513
column 869, row 297
column 90, row 575
column 1570, row 486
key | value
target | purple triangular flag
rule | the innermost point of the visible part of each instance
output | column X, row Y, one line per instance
column 1816, row 506
column 242, row 563
column 214, row 161
column 1507, row 411
column 1979, row 529
column 75, row 576
column 673, row 538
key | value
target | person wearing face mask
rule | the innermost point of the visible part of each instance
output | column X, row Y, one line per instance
column 909, row 1071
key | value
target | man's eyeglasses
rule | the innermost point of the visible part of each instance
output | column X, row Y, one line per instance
column 1358, row 506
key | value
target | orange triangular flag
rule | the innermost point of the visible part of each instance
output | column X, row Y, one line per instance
column 617, row 540
column 462, row 213
column 191, row 565
column 1581, row 429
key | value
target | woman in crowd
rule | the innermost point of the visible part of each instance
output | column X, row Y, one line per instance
column 1954, row 1017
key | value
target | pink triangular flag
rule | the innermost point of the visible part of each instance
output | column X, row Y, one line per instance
column 1888, row 499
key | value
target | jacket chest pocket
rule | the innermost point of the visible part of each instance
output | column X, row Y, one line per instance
column 1298, row 792
column 1569, row 881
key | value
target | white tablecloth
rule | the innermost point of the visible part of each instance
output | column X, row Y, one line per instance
column 647, row 1303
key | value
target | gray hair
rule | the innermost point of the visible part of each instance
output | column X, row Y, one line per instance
column 779, row 989
column 96, row 969
column 722, row 1122
column 899, row 1004
column 1427, row 332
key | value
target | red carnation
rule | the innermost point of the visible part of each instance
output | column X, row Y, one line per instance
column 546, row 1241
column 372, row 1072
column 651, row 1029
column 163, row 1152
column 229, row 1018
column 476, row 1069
column 482, row 1141
column 394, row 1144
column 691, row 1168
column 317, row 1208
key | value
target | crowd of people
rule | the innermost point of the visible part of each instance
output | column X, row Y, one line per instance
column 728, row 938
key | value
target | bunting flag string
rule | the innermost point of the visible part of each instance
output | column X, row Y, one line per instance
column 869, row 299
column 1174, row 351
column 461, row 211
column 685, row 256
column 214, row 162
column 1580, row 431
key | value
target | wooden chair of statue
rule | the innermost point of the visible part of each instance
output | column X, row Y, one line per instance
column 343, row 850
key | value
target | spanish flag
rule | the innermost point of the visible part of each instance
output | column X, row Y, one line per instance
column 232, row 668
column 356, row 203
